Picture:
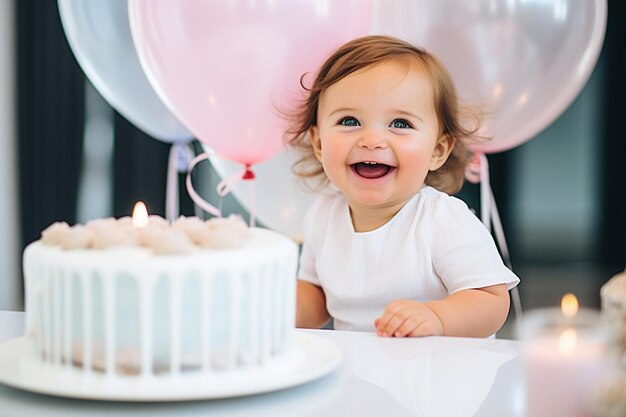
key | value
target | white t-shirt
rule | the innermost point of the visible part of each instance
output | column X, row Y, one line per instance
column 434, row 246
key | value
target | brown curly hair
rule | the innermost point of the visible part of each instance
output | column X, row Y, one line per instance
column 459, row 122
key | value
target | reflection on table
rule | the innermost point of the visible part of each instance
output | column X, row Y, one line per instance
column 434, row 376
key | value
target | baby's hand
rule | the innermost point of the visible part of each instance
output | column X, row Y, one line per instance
column 408, row 318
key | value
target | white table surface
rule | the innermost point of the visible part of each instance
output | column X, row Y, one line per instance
column 430, row 377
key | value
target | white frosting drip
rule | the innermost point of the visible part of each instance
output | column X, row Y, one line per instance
column 87, row 322
column 175, row 315
column 67, row 320
column 109, row 324
column 205, row 308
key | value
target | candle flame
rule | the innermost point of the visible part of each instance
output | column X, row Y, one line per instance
column 567, row 341
column 569, row 305
column 140, row 215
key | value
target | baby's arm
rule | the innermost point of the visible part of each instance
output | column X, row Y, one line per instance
column 476, row 312
column 311, row 309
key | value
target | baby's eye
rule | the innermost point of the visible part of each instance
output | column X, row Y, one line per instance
column 400, row 124
column 348, row 121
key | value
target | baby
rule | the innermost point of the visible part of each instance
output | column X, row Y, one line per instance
column 388, row 249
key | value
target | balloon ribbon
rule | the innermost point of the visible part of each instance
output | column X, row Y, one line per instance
column 179, row 157
column 478, row 171
column 223, row 188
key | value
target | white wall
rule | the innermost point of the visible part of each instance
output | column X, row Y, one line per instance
column 10, row 285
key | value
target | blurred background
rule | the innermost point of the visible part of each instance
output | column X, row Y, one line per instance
column 66, row 155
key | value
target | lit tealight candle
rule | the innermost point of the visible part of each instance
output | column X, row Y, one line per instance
column 563, row 354
column 569, row 305
column 140, row 215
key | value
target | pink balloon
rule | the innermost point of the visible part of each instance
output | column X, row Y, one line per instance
column 226, row 68
column 526, row 60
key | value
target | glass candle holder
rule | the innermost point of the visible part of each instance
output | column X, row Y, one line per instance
column 564, row 358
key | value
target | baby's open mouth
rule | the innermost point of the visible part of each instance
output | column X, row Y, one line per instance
column 371, row 170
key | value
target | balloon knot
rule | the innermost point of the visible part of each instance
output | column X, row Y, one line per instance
column 248, row 174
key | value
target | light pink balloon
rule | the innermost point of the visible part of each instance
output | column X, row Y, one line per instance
column 226, row 68
column 526, row 60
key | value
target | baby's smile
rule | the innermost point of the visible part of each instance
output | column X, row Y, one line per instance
column 371, row 169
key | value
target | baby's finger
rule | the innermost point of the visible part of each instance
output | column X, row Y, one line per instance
column 409, row 325
column 389, row 312
column 381, row 322
column 394, row 322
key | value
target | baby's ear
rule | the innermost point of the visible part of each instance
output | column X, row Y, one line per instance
column 442, row 150
column 314, row 133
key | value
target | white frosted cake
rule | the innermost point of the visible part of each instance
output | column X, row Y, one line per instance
column 191, row 298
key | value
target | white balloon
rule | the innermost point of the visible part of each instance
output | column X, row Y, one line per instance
column 98, row 32
column 526, row 59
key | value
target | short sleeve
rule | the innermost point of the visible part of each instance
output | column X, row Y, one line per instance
column 464, row 253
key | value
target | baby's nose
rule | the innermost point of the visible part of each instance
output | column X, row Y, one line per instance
column 372, row 139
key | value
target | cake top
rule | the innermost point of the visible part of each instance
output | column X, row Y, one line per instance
column 615, row 288
column 184, row 235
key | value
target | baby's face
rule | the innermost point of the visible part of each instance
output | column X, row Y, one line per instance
column 377, row 134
